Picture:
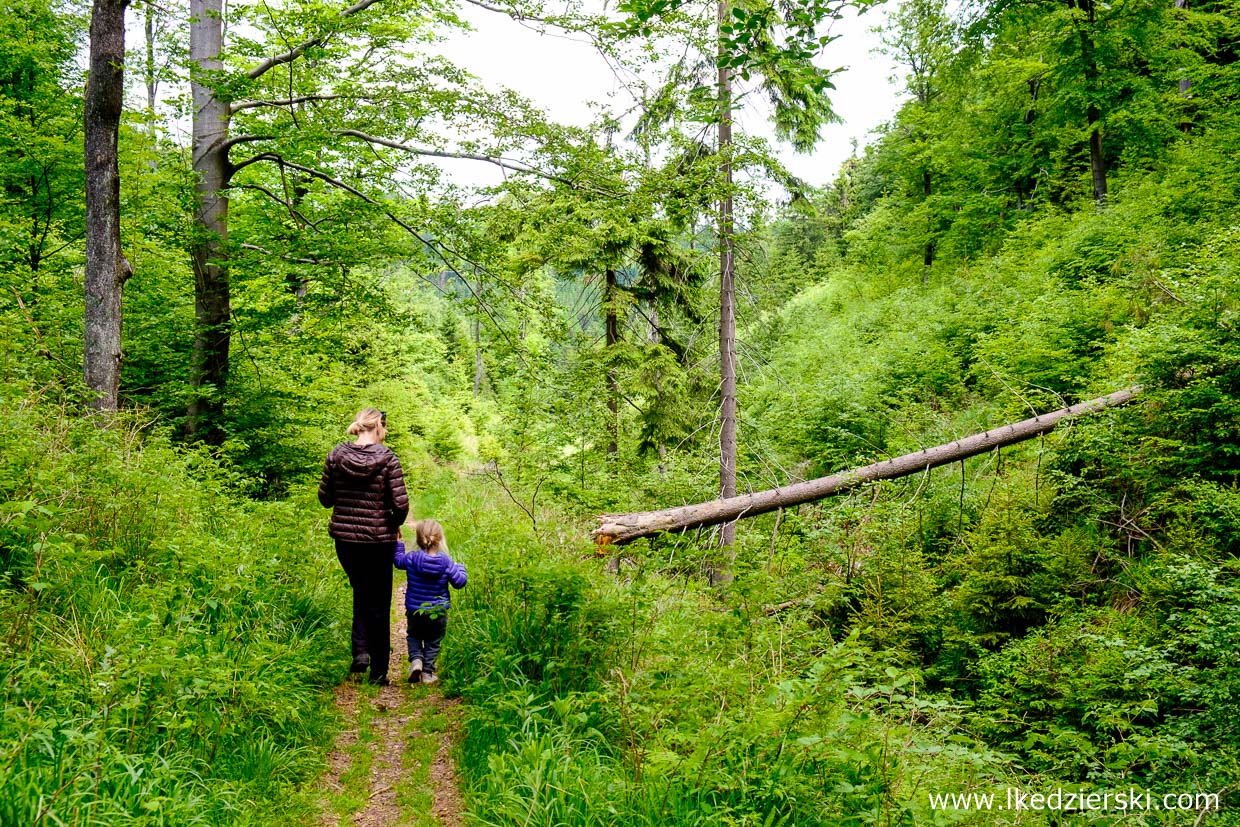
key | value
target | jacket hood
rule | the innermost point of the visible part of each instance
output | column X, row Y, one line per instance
column 361, row 462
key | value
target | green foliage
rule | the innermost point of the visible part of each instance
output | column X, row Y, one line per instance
column 1108, row 697
column 163, row 654
column 41, row 167
column 1063, row 612
column 641, row 701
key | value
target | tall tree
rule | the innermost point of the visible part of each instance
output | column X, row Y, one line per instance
column 212, row 302
column 106, row 266
column 344, row 100
column 774, row 45
column 1084, row 19
column 919, row 39
column 622, row 227
column 1093, row 77
column 727, row 278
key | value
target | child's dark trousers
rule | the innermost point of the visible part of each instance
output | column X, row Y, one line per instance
column 425, row 635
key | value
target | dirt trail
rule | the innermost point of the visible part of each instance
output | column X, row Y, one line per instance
column 392, row 764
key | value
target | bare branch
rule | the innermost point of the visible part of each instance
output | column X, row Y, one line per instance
column 435, row 153
column 291, row 259
column 237, row 106
column 293, row 211
column 529, row 512
column 300, row 49
column 436, row 247
column 262, row 156
column 244, row 139
column 515, row 15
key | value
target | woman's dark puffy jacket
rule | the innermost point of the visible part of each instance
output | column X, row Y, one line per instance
column 365, row 488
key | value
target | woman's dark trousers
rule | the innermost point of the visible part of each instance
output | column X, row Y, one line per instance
column 369, row 567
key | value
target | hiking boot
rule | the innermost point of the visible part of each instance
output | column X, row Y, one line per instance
column 380, row 680
column 415, row 670
column 429, row 677
column 360, row 664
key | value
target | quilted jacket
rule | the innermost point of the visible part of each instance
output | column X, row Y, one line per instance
column 365, row 488
column 429, row 576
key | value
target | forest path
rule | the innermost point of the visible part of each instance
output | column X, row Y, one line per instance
column 392, row 763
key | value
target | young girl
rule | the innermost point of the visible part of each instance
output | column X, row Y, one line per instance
column 429, row 571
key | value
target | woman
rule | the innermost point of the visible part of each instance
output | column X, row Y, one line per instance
column 364, row 486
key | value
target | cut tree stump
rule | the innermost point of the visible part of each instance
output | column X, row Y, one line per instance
column 617, row 529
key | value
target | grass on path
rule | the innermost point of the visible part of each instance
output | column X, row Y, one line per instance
column 392, row 763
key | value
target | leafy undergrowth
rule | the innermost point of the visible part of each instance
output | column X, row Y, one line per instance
column 163, row 649
column 642, row 699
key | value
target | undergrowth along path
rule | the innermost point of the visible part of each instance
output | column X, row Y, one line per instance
column 391, row 765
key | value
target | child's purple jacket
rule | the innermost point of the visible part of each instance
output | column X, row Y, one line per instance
column 428, row 576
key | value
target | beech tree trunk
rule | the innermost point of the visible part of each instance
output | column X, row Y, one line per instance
column 618, row 529
column 106, row 266
column 212, row 304
column 149, row 68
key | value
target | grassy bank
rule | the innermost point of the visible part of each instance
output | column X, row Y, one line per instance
column 163, row 655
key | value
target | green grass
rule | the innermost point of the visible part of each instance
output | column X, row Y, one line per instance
column 163, row 655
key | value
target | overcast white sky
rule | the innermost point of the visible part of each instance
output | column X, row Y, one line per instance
column 564, row 75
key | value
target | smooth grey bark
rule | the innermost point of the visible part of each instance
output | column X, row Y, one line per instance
column 149, row 69
column 106, row 266
column 1184, row 84
column 209, row 246
column 212, row 302
column 617, row 529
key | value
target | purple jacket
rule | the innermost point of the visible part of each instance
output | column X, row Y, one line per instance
column 428, row 576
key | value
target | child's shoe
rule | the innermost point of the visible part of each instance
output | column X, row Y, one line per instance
column 415, row 670
column 429, row 677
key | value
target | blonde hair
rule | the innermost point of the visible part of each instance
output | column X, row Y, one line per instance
column 430, row 536
column 369, row 419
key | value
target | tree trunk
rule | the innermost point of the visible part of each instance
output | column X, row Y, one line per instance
column 212, row 301
column 656, row 338
column 151, row 84
column 623, row 528
column 478, row 365
column 106, row 267
column 727, row 310
column 612, row 337
column 1097, row 163
column 1185, row 85
column 927, row 259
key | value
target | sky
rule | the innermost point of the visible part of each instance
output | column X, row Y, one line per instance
column 564, row 74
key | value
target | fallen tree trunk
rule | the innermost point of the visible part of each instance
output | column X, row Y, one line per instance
column 623, row 528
